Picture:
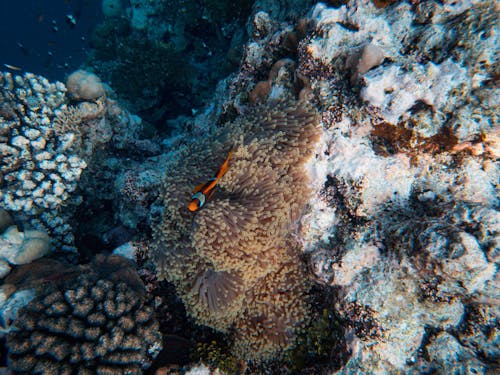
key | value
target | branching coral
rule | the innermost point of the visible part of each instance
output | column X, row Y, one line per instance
column 235, row 263
column 46, row 142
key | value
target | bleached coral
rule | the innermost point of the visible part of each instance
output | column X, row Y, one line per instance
column 404, row 222
column 46, row 143
column 405, row 219
column 18, row 247
column 404, row 225
column 395, row 91
column 347, row 28
column 427, row 62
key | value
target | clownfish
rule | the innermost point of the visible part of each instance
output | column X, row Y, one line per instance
column 203, row 192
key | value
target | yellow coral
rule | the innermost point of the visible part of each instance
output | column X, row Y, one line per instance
column 235, row 263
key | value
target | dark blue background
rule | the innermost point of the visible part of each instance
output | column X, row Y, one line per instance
column 29, row 22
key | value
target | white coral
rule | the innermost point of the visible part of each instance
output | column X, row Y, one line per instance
column 22, row 247
column 395, row 90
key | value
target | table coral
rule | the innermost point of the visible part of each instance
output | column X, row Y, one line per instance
column 235, row 261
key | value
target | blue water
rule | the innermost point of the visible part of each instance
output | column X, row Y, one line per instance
column 36, row 37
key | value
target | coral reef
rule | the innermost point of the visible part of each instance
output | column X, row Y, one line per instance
column 394, row 206
column 97, row 322
column 38, row 169
column 166, row 57
column 234, row 262
column 46, row 143
column 405, row 223
column 18, row 247
column 83, row 85
column 401, row 220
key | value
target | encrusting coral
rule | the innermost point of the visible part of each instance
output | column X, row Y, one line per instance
column 411, row 181
column 93, row 319
column 235, row 262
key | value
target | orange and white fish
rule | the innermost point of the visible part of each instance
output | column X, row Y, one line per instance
column 203, row 192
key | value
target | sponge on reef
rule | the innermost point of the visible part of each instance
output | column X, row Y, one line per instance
column 83, row 85
column 235, row 262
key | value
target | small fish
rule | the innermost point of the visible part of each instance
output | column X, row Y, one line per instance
column 71, row 20
column 12, row 67
column 204, row 192
column 23, row 49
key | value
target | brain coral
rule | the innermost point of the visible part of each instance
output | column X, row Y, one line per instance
column 95, row 322
column 235, row 262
